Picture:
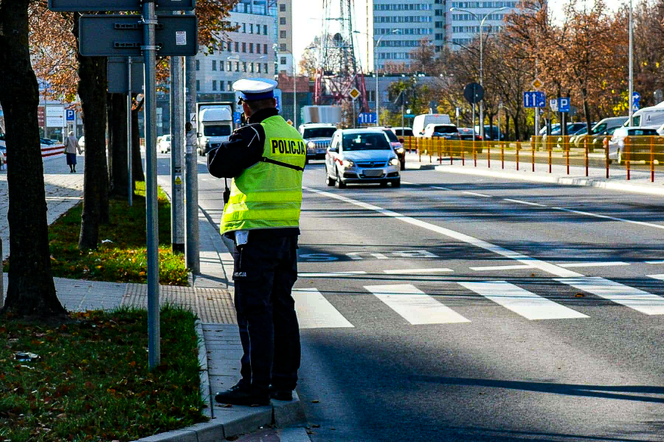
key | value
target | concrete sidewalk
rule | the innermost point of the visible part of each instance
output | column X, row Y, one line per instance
column 639, row 182
column 209, row 296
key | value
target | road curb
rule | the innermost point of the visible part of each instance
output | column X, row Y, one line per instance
column 206, row 391
column 563, row 181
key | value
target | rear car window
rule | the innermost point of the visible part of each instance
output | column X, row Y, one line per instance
column 391, row 135
column 367, row 141
column 445, row 129
column 642, row 132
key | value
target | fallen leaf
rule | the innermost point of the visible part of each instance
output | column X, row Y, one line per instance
column 579, row 295
column 315, row 401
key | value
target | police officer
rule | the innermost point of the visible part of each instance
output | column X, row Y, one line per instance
column 265, row 158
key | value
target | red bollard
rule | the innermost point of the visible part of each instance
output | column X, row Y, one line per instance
column 518, row 148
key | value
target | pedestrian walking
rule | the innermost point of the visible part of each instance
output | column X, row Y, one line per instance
column 71, row 147
column 265, row 158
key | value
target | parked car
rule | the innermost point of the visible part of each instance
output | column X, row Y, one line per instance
column 317, row 137
column 466, row 133
column 81, row 143
column 396, row 144
column 599, row 131
column 361, row 156
column 164, row 143
column 639, row 146
column 402, row 132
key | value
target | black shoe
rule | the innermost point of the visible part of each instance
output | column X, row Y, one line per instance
column 281, row 395
column 238, row 395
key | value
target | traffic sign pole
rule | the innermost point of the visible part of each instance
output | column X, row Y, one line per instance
column 150, row 50
column 129, row 162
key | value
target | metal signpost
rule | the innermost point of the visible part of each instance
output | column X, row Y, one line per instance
column 134, row 35
column 354, row 94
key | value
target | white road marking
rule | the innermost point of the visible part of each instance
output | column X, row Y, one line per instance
column 521, row 301
column 513, row 267
column 440, row 188
column 660, row 277
column 528, row 203
column 314, row 311
column 613, row 218
column 594, row 264
column 356, row 255
column 654, row 262
column 477, row 194
column 533, row 262
column 415, row 306
column 631, row 297
column 327, row 274
column 413, row 271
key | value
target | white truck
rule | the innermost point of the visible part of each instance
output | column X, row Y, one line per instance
column 420, row 122
column 214, row 125
column 322, row 114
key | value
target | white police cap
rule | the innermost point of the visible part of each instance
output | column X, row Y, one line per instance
column 251, row 89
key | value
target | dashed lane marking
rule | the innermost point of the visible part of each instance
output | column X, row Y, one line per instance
column 594, row 264
column 314, row 311
column 528, row 203
column 511, row 267
column 660, row 277
column 414, row 271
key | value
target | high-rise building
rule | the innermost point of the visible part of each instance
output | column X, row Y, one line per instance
column 248, row 52
column 285, row 57
column 397, row 27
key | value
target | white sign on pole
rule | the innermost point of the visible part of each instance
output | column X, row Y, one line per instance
column 55, row 116
column 553, row 104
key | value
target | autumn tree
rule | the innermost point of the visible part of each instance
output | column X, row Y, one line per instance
column 31, row 291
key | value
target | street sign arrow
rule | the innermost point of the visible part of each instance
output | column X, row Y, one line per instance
column 118, row 5
column 122, row 35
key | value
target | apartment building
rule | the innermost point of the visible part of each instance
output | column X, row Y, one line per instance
column 285, row 57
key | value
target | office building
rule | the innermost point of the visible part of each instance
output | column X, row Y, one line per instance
column 285, row 57
column 463, row 27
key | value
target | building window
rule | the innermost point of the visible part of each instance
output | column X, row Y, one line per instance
column 237, row 47
column 244, row 28
column 282, row 20
column 258, row 67
column 282, row 60
column 244, row 47
column 237, row 66
column 282, row 34
column 282, row 7
column 439, row 24
column 251, row 67
column 214, row 85
column 258, row 48
column 221, row 86
column 214, row 65
column 229, row 46
column 198, row 85
column 230, row 85
column 251, row 28
column 221, row 65
column 282, row 47
column 264, row 29
column 265, row 67
column 265, row 48
column 244, row 66
column 251, row 48
column 198, row 65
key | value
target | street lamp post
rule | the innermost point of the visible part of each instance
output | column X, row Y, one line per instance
column 276, row 52
column 484, row 17
column 631, row 66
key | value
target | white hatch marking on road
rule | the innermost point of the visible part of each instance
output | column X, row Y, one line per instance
column 413, row 271
column 356, row 255
column 613, row 218
column 326, row 274
column 520, row 301
column 513, row 267
column 414, row 305
column 654, row 262
column 528, row 203
column 660, row 277
column 440, row 188
column 594, row 264
column 314, row 311
column 542, row 265
column 477, row 194
column 631, row 297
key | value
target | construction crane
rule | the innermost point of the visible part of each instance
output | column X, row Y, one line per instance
column 338, row 71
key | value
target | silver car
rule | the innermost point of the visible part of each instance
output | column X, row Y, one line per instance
column 360, row 156
column 639, row 148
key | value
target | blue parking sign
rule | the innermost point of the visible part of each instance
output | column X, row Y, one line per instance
column 563, row 105
column 71, row 115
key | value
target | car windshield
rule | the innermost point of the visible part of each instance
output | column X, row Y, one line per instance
column 393, row 138
column 642, row 132
column 217, row 131
column 368, row 141
column 445, row 129
column 599, row 128
column 636, row 121
column 466, row 130
column 319, row 132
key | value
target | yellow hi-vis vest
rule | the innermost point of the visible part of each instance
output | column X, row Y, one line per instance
column 268, row 195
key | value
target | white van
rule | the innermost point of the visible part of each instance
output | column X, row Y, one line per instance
column 648, row 116
column 422, row 121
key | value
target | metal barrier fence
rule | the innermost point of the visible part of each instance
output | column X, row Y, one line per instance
column 643, row 153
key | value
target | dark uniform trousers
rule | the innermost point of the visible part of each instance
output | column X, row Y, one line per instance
column 265, row 271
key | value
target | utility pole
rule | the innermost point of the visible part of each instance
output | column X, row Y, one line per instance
column 191, row 174
column 177, row 141
column 631, row 66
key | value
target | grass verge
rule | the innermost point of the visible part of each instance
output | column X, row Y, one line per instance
column 91, row 381
column 124, row 258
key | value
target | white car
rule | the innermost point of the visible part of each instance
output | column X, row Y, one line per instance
column 639, row 146
column 164, row 143
column 360, row 156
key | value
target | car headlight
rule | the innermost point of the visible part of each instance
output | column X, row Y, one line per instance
column 349, row 163
column 393, row 162
column 401, row 150
column 311, row 145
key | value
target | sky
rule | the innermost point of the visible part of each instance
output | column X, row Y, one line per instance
column 308, row 21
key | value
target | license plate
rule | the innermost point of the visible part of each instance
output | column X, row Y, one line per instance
column 373, row 172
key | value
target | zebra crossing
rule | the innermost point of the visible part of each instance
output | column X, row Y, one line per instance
column 418, row 308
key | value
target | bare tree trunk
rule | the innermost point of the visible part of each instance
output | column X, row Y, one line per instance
column 117, row 121
column 31, row 291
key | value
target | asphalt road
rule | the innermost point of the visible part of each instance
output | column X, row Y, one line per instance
column 462, row 308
